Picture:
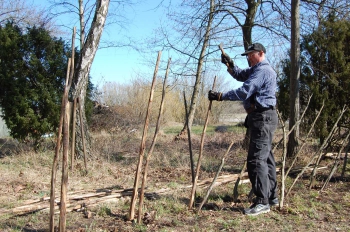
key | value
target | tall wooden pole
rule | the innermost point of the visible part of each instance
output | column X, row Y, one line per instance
column 200, row 153
column 143, row 141
column 156, row 132
column 69, row 77
column 57, row 151
column 64, row 181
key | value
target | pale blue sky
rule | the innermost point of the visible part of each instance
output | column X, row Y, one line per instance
column 122, row 64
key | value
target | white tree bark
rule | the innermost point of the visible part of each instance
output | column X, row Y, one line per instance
column 87, row 56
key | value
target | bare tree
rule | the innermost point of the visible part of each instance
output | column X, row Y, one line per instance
column 200, row 64
column 25, row 14
column 92, row 18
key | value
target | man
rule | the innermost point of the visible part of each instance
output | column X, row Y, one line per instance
column 259, row 100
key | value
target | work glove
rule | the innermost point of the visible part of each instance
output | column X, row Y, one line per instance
column 225, row 59
column 214, row 96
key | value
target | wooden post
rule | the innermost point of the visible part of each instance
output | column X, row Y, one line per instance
column 57, row 150
column 73, row 135
column 200, row 153
column 143, row 141
column 69, row 77
column 216, row 176
column 144, row 180
column 64, row 182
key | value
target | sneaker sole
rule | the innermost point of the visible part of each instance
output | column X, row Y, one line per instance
column 255, row 214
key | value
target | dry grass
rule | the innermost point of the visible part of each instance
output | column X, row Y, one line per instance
column 25, row 175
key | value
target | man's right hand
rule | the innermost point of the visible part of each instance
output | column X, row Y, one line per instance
column 225, row 59
column 214, row 96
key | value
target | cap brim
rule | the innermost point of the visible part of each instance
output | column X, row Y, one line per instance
column 247, row 52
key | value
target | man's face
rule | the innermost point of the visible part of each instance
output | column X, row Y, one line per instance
column 254, row 58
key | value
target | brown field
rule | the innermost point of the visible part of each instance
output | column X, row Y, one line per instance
column 25, row 181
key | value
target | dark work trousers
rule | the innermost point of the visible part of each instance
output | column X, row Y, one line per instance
column 260, row 161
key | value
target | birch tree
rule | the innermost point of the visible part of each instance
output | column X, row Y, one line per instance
column 92, row 18
column 86, row 58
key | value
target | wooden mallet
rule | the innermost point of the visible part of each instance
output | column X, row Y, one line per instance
column 223, row 52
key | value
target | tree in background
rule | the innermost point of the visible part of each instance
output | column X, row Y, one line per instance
column 327, row 52
column 324, row 74
column 32, row 75
column 294, row 78
column 24, row 13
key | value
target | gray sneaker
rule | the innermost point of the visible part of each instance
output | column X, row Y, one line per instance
column 274, row 202
column 257, row 209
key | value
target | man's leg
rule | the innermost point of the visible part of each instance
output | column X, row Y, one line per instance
column 273, row 194
column 258, row 170
column 260, row 161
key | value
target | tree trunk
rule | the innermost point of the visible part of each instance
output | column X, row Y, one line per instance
column 249, row 22
column 247, row 40
column 196, row 88
column 84, row 64
column 294, row 79
column 82, row 23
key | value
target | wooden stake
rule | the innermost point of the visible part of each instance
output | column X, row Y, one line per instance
column 200, row 153
column 144, row 180
column 143, row 141
column 216, row 176
column 57, row 150
column 64, row 101
column 75, row 100
column 64, row 181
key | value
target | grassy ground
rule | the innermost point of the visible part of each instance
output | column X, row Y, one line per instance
column 25, row 175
